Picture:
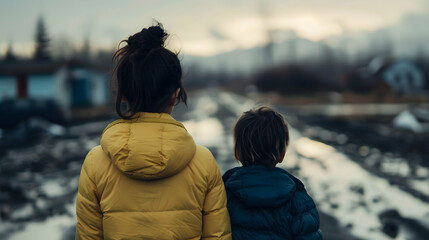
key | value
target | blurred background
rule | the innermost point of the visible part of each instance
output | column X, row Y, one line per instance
column 351, row 78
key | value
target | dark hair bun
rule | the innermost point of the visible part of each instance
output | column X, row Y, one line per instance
column 148, row 38
column 146, row 73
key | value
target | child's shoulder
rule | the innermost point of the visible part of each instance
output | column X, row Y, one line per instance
column 228, row 173
column 260, row 171
column 301, row 200
column 299, row 184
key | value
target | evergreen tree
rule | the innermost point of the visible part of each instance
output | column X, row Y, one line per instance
column 42, row 41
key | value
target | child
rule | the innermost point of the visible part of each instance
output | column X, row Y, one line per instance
column 266, row 202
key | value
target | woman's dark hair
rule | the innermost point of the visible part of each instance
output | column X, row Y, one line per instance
column 146, row 73
column 261, row 136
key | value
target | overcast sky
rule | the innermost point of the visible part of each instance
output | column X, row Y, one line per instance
column 199, row 27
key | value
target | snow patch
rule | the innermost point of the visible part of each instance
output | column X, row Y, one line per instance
column 23, row 212
column 207, row 132
column 422, row 172
column 52, row 189
column 51, row 229
column 420, row 185
column 206, row 106
column 312, row 149
column 358, row 197
column 236, row 103
column 407, row 121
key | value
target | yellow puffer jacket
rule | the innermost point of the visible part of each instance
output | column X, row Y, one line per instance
column 149, row 180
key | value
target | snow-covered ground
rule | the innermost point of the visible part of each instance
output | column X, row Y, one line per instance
column 341, row 187
column 351, row 194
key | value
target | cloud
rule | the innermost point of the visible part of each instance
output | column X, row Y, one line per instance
column 238, row 23
column 218, row 35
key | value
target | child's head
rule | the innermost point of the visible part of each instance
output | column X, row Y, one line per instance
column 261, row 136
column 148, row 76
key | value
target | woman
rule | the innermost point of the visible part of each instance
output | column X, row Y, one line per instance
column 148, row 179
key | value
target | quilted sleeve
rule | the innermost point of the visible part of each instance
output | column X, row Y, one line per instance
column 216, row 223
column 89, row 216
column 305, row 222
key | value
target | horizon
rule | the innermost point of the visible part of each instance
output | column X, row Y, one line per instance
column 198, row 29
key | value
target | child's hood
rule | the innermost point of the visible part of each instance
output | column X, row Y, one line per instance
column 259, row 186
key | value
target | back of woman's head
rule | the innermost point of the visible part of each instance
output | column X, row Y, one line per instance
column 146, row 73
column 261, row 136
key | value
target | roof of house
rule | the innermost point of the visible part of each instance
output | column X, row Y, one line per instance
column 29, row 67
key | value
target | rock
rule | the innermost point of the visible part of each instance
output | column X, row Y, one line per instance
column 389, row 214
column 5, row 212
column 391, row 229
column 357, row 189
column 334, row 205
column 390, row 219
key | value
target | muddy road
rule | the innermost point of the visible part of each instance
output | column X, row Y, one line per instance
column 363, row 189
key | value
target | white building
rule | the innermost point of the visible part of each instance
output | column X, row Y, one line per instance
column 70, row 83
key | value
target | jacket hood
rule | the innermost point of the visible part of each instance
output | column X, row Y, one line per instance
column 259, row 186
column 148, row 146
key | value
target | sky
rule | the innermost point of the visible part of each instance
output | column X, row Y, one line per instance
column 197, row 27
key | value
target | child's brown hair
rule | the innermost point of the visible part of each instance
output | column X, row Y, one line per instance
column 261, row 136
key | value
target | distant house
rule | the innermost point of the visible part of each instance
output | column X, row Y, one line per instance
column 402, row 76
column 386, row 75
column 70, row 83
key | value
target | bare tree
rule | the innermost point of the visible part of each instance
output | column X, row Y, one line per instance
column 63, row 48
column 10, row 56
column 85, row 52
column 268, row 49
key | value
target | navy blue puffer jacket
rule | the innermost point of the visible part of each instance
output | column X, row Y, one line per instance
column 266, row 203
